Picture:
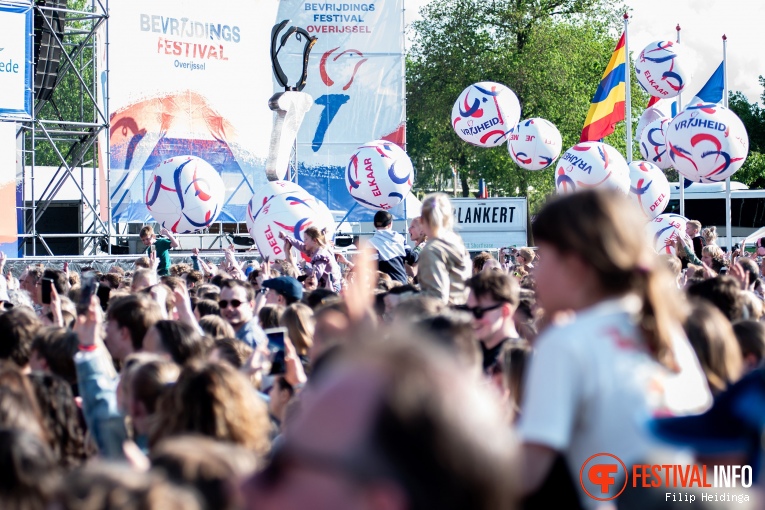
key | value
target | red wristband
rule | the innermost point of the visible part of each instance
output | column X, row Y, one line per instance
column 88, row 348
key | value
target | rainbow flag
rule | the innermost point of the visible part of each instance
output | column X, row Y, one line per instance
column 607, row 107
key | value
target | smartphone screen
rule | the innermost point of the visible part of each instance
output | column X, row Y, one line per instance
column 276, row 338
column 46, row 283
column 89, row 288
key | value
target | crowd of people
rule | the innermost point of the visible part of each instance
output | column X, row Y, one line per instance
column 410, row 377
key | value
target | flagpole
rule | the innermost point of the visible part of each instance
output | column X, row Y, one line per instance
column 728, row 221
column 628, row 95
column 680, row 178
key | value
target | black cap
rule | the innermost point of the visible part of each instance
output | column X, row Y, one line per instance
column 286, row 286
column 383, row 219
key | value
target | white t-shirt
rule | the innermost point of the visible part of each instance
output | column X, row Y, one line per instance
column 592, row 386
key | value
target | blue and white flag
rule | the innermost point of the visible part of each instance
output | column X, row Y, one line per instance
column 712, row 91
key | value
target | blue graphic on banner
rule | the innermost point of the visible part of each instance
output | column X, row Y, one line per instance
column 356, row 77
column 9, row 94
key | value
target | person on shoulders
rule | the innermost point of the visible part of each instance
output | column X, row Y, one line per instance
column 392, row 251
column 161, row 247
column 444, row 264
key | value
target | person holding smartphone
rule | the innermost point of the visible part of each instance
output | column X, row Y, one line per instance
column 160, row 247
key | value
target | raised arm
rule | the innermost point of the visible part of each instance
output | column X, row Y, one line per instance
column 173, row 241
column 294, row 242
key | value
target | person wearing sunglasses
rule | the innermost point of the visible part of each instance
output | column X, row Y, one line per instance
column 492, row 299
column 237, row 306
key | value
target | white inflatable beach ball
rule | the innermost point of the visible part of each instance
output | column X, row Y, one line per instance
column 660, row 69
column 534, row 144
column 707, row 143
column 664, row 230
column 185, row 194
column 272, row 188
column 589, row 165
column 653, row 146
column 485, row 113
column 649, row 188
column 291, row 213
column 379, row 175
column 325, row 218
column 649, row 115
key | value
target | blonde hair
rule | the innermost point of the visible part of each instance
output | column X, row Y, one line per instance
column 713, row 251
column 527, row 254
column 710, row 235
column 696, row 225
column 438, row 214
column 298, row 319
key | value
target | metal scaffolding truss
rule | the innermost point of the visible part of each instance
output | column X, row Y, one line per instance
column 67, row 122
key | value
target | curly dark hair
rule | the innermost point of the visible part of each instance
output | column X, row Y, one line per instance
column 60, row 418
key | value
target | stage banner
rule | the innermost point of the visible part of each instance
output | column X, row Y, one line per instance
column 356, row 79
column 8, row 227
column 16, row 59
column 187, row 77
column 190, row 77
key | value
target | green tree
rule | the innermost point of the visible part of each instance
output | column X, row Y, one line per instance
column 752, row 173
column 553, row 62
column 70, row 100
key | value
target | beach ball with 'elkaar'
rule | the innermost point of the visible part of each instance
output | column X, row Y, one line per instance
column 653, row 146
column 664, row 230
column 534, row 144
column 291, row 213
column 379, row 175
column 707, row 143
column 485, row 113
column 649, row 188
column 589, row 165
column 660, row 69
column 185, row 194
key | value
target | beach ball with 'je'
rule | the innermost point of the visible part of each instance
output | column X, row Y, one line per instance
column 485, row 113
column 589, row 165
column 707, row 143
column 649, row 115
column 185, row 194
column 660, row 69
column 291, row 213
column 534, row 144
column 653, row 143
column 379, row 175
column 649, row 188
column 664, row 230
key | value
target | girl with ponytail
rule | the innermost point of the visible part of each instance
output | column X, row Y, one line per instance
column 595, row 381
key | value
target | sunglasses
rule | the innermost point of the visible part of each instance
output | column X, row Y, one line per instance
column 224, row 303
column 479, row 312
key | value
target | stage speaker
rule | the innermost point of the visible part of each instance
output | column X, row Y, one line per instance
column 60, row 218
column 47, row 50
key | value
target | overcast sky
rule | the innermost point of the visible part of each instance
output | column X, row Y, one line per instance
column 703, row 22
